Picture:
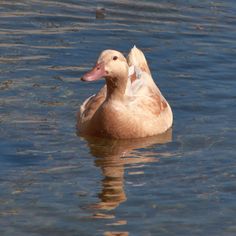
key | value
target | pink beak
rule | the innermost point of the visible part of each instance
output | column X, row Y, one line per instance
column 96, row 73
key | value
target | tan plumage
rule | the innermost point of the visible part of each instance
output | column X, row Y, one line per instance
column 130, row 105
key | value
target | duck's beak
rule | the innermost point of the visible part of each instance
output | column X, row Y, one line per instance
column 96, row 73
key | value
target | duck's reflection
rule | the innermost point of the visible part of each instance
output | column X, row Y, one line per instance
column 112, row 156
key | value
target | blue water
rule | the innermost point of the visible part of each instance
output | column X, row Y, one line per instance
column 55, row 183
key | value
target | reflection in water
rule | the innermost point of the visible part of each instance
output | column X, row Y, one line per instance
column 112, row 156
column 116, row 234
column 107, row 148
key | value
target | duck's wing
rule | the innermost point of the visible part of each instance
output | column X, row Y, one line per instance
column 140, row 76
column 137, row 59
column 142, row 73
column 146, row 94
column 91, row 104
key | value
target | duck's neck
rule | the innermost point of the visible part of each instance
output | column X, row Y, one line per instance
column 116, row 87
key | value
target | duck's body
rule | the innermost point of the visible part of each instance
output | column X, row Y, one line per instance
column 130, row 105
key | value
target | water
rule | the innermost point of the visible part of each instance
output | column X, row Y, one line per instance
column 56, row 183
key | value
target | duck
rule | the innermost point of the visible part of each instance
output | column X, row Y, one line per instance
column 130, row 104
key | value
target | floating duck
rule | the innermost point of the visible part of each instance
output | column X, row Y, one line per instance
column 130, row 105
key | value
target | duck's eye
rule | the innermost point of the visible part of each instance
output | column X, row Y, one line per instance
column 115, row 58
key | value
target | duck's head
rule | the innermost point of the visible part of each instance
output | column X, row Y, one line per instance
column 110, row 65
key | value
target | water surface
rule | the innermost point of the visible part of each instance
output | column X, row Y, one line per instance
column 56, row 183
